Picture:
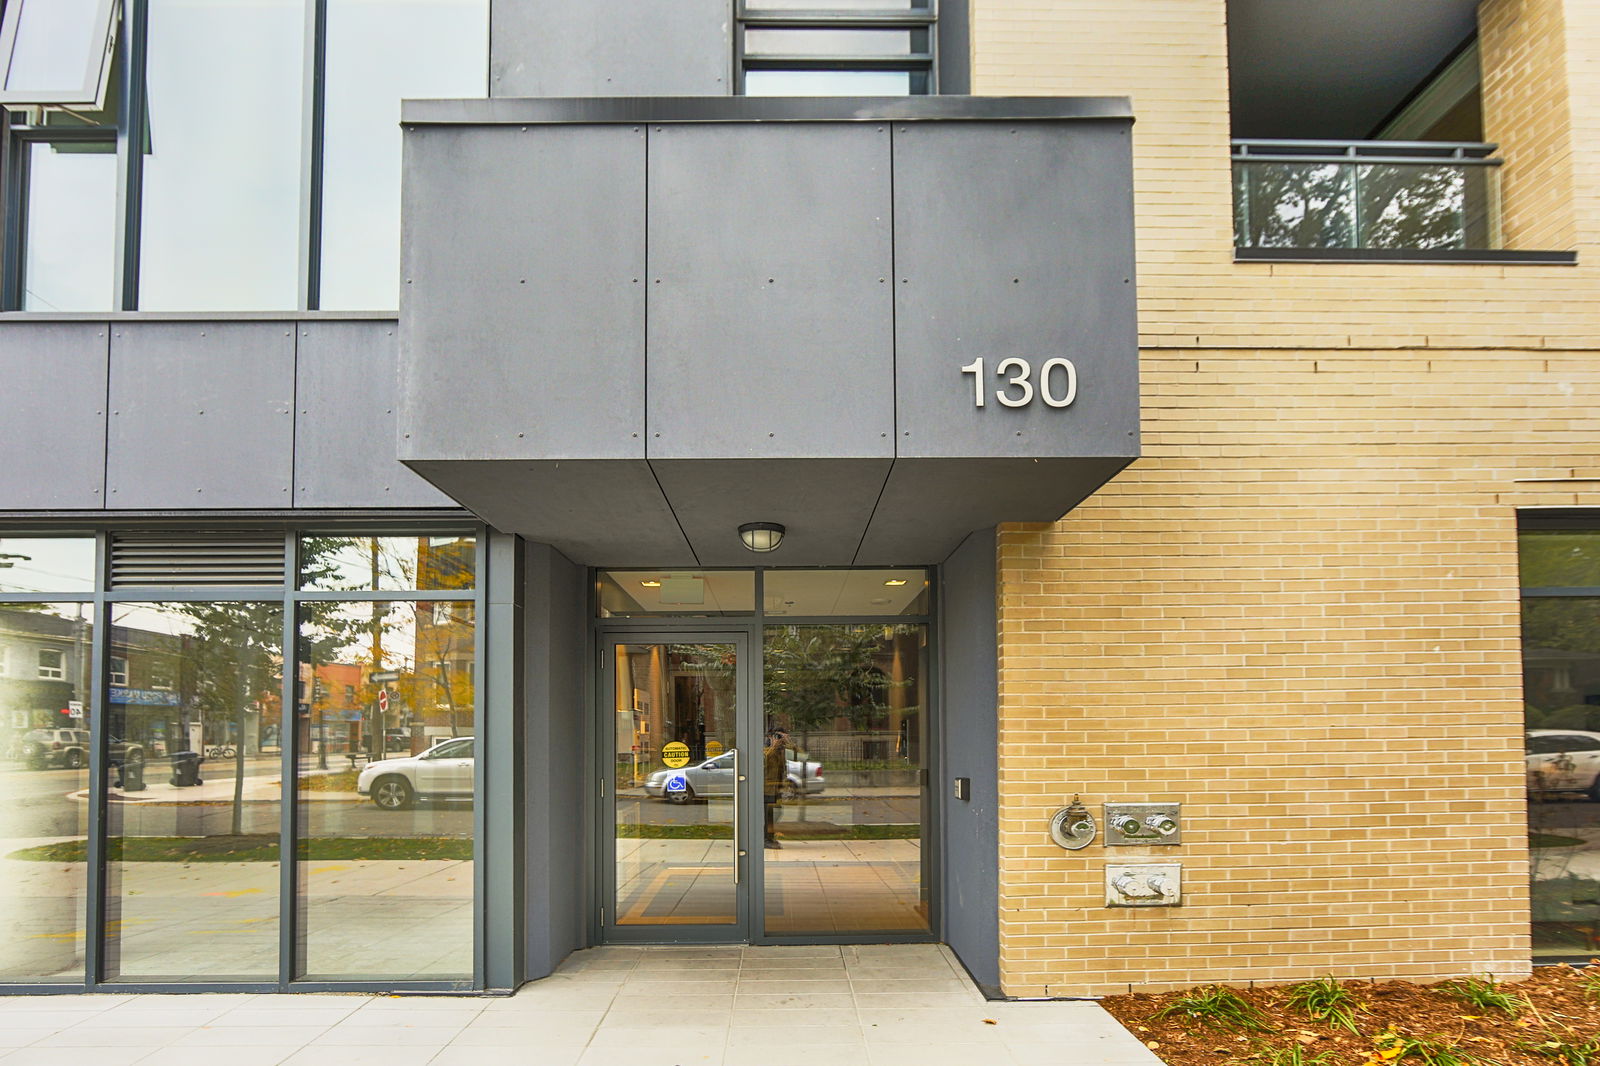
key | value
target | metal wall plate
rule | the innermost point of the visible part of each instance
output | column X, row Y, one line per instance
column 1143, row 824
column 1144, row 884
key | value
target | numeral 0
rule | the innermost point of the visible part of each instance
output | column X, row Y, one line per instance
column 1018, row 373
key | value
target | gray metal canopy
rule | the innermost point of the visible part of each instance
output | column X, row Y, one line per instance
column 630, row 325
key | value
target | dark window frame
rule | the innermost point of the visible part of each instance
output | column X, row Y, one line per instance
column 749, row 14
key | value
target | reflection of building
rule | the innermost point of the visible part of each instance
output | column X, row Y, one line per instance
column 44, row 669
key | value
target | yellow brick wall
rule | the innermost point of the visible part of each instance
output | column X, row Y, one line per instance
column 1298, row 613
column 1526, row 112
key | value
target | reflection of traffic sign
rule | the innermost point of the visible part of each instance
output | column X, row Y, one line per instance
column 714, row 748
column 384, row 675
column 383, row 701
column 677, row 783
column 675, row 754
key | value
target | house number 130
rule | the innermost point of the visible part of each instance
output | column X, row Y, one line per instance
column 1019, row 374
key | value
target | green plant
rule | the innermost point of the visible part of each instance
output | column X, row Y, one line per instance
column 1326, row 1001
column 1397, row 1047
column 1589, row 978
column 1584, row 1054
column 1293, row 1055
column 1216, row 1007
column 1484, row 995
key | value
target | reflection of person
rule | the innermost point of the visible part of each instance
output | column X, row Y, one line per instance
column 773, row 765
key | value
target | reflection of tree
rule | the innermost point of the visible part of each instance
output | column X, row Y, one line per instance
column 1369, row 205
column 818, row 674
column 230, row 663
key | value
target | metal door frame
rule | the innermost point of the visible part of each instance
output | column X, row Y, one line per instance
column 747, row 723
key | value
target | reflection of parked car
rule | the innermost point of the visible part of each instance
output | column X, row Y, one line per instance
column 1564, row 760
column 714, row 777
column 43, row 748
column 444, row 771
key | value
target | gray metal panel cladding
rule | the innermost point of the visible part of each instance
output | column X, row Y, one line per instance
column 201, row 414
column 345, row 420
column 1014, row 239
column 611, row 48
column 522, row 304
column 52, row 415
column 771, row 315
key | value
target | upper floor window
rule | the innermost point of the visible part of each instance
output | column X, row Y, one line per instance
column 267, row 178
column 52, row 665
column 56, row 52
column 119, row 670
column 837, row 47
column 1344, row 139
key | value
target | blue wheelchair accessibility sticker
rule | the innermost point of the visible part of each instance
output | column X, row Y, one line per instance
column 677, row 783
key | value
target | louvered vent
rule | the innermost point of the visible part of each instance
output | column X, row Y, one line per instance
column 206, row 560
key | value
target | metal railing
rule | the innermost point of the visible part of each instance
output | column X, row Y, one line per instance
column 1392, row 195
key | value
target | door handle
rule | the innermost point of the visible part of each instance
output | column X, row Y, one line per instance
column 738, row 852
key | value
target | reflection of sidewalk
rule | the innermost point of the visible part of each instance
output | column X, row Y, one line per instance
column 214, row 790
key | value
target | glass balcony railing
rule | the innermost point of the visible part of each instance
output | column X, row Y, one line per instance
column 1392, row 195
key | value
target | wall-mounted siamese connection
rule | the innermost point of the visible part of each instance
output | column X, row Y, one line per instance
column 1073, row 826
column 1146, row 885
column 1142, row 823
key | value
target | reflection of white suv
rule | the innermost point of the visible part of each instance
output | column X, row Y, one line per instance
column 1564, row 760
column 444, row 771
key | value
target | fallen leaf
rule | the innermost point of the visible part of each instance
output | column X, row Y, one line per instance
column 1152, row 1044
column 1470, row 1017
column 1307, row 1038
column 990, row 1021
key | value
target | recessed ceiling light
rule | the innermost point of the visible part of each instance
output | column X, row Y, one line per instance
column 880, row 601
column 895, row 582
column 651, row 584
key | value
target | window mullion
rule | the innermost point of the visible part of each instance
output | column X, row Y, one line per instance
column 130, row 153
column 312, row 131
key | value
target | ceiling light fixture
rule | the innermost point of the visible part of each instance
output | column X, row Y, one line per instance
column 762, row 536
column 895, row 582
column 651, row 584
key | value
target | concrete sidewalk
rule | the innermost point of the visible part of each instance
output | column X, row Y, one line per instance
column 902, row 1005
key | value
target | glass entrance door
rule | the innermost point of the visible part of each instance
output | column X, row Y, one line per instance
column 676, row 786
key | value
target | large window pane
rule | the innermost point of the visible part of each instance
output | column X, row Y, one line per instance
column 192, row 855
column 56, row 42
column 846, row 807
column 46, row 564
column 697, row 593
column 835, row 82
column 222, row 165
column 69, row 247
column 1561, row 692
column 386, row 749
column 379, row 53
column 44, row 722
column 388, row 564
column 856, row 593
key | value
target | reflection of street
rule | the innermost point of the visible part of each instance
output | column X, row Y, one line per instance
column 1565, row 873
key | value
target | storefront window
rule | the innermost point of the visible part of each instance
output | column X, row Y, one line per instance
column 44, row 779
column 387, row 757
column 1561, row 694
column 372, row 712
column 192, row 842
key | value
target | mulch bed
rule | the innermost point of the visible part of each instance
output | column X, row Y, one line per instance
column 1562, row 1017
